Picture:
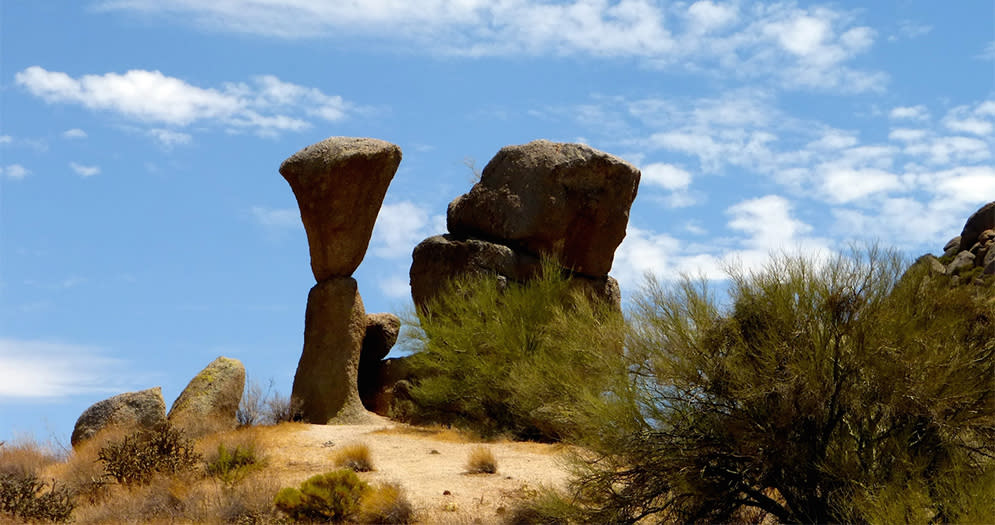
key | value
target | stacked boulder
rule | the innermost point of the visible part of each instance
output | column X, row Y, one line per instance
column 129, row 411
column 973, row 248
column 340, row 184
column 566, row 201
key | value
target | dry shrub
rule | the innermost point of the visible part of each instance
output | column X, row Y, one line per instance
column 139, row 456
column 355, row 456
column 386, row 504
column 333, row 496
column 249, row 503
column 231, row 457
column 25, row 456
column 481, row 461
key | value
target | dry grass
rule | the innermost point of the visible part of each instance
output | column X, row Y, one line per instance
column 26, row 456
column 481, row 461
column 355, row 456
column 386, row 504
column 436, row 432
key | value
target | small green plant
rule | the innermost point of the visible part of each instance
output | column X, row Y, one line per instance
column 333, row 496
column 231, row 464
column 386, row 504
column 24, row 496
column 481, row 461
column 355, row 457
column 139, row 456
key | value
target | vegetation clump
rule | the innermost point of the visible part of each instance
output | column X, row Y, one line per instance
column 518, row 359
column 230, row 464
column 355, row 457
column 825, row 391
column 333, row 496
column 386, row 504
column 481, row 461
column 24, row 496
column 138, row 457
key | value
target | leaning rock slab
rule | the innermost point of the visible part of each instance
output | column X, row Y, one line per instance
column 142, row 409
column 325, row 384
column 566, row 200
column 210, row 401
column 340, row 185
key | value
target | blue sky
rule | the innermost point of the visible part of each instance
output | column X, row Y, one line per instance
column 145, row 230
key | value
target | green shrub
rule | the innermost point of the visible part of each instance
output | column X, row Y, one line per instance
column 24, row 496
column 386, row 504
column 826, row 391
column 141, row 455
column 232, row 464
column 332, row 496
column 515, row 360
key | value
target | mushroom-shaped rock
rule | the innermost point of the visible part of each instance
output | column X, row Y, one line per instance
column 381, row 334
column 141, row 409
column 981, row 220
column 210, row 401
column 325, row 384
column 340, row 185
column 566, row 200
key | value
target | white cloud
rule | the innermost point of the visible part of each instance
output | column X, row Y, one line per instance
column 15, row 171
column 6, row 139
column 395, row 286
column 909, row 112
column 910, row 29
column 846, row 185
column 988, row 53
column 74, row 133
column 400, row 226
column 963, row 119
column 84, row 171
column 266, row 106
column 801, row 47
column 43, row 369
column 945, row 150
column 666, row 176
column 907, row 135
column 277, row 217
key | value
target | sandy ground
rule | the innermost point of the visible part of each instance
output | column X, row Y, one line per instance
column 429, row 464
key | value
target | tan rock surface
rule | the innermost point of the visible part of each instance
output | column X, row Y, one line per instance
column 141, row 409
column 210, row 401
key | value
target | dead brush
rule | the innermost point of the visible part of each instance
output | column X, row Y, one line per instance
column 386, row 504
column 355, row 456
column 481, row 461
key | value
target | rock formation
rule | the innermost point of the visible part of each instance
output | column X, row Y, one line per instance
column 381, row 334
column 131, row 410
column 567, row 201
column 340, row 185
column 973, row 248
column 210, row 401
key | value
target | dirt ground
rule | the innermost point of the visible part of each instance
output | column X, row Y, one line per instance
column 430, row 464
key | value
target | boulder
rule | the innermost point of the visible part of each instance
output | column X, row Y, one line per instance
column 325, row 385
column 963, row 261
column 438, row 259
column 981, row 220
column 566, row 200
column 951, row 244
column 210, row 401
column 933, row 263
column 131, row 410
column 340, row 185
column 381, row 334
column 989, row 263
column 390, row 382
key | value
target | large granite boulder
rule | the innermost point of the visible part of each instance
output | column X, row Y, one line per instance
column 210, row 401
column 340, row 185
column 132, row 410
column 325, row 384
column 566, row 200
column 977, row 223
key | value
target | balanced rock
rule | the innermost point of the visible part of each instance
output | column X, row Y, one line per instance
column 325, row 384
column 977, row 223
column 569, row 201
column 381, row 334
column 210, row 401
column 340, row 185
column 131, row 410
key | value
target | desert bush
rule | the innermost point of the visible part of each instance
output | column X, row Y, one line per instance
column 333, row 496
column 355, row 456
column 282, row 409
column 251, row 409
column 833, row 390
column 140, row 455
column 386, row 504
column 481, row 461
column 517, row 359
column 231, row 463
column 24, row 496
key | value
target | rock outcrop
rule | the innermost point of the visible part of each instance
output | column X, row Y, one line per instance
column 340, row 185
column 381, row 334
column 210, row 401
column 131, row 410
column 567, row 201
column 975, row 246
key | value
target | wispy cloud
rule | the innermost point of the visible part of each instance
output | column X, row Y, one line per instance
column 277, row 217
column 83, row 170
column 74, row 133
column 801, row 47
column 45, row 369
column 266, row 105
column 402, row 225
column 14, row 171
